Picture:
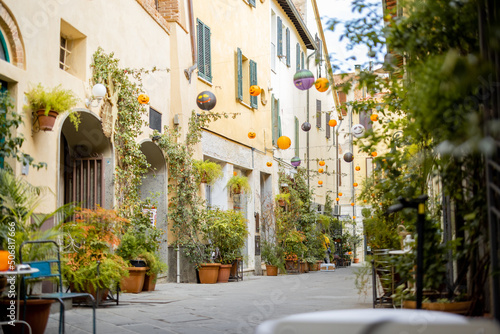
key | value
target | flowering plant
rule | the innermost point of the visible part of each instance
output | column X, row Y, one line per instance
column 291, row 257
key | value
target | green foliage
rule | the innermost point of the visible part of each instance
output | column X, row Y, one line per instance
column 283, row 197
column 12, row 141
column 129, row 248
column 56, row 99
column 207, row 171
column 155, row 264
column 273, row 254
column 226, row 231
column 239, row 184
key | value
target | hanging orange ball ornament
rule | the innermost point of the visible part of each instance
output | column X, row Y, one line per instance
column 252, row 135
column 353, row 217
column 374, row 117
column 284, row 142
column 320, row 170
column 357, row 168
column 321, row 163
column 352, row 204
column 332, row 122
column 374, row 154
column 255, row 90
column 322, row 84
column 354, row 184
column 364, row 200
column 234, row 173
column 340, row 194
column 337, row 199
column 269, row 164
column 320, row 182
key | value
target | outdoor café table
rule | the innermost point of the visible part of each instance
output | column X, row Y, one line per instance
column 18, row 272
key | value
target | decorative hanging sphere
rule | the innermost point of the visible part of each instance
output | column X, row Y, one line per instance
column 320, row 182
column 357, row 168
column 321, row 163
column 352, row 204
column 354, row 184
column 143, row 99
column 320, row 170
column 374, row 154
column 358, row 130
column 365, row 200
column 332, row 123
column 303, row 79
column 322, row 84
column 374, row 117
column 295, row 161
column 206, row 100
column 234, row 173
column 340, row 194
column 255, row 90
column 348, row 157
column 284, row 142
column 337, row 199
column 269, row 164
column 353, row 217
column 252, row 135
column 306, row 126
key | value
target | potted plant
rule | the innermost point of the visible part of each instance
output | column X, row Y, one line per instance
column 283, row 199
column 238, row 184
column 155, row 266
column 207, row 171
column 47, row 104
column 227, row 232
column 273, row 256
column 130, row 250
column 92, row 266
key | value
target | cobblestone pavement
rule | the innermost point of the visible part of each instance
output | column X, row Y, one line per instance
column 235, row 307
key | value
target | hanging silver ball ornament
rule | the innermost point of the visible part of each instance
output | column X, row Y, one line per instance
column 348, row 157
column 306, row 126
column 358, row 130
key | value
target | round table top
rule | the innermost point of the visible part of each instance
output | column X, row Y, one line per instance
column 20, row 272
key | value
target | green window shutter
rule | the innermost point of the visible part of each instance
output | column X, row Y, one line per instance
column 296, row 137
column 208, row 56
column 280, row 37
column 3, row 89
column 327, row 126
column 201, row 57
column 253, row 81
column 204, row 52
column 318, row 113
column 302, row 60
column 252, row 2
column 274, row 112
column 287, row 47
column 280, row 133
column 297, row 58
column 239, row 76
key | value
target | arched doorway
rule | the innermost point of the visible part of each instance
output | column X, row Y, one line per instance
column 86, row 164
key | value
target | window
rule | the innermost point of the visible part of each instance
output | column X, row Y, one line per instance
column 297, row 57
column 246, row 76
column 204, row 53
column 327, row 126
column 4, row 52
column 275, row 107
column 288, row 55
column 364, row 119
column 154, row 120
column 279, row 41
column 369, row 167
column 297, row 137
column 63, row 54
column 302, row 60
column 274, row 38
column 72, row 51
column 318, row 113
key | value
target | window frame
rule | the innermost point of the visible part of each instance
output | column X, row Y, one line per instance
column 204, row 51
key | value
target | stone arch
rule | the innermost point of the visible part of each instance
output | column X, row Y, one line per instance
column 12, row 36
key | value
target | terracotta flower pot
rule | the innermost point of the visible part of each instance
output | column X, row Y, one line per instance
column 135, row 281
column 46, row 122
column 209, row 273
column 149, row 282
column 453, row 307
column 356, row 260
column 271, row 270
column 224, row 271
column 37, row 315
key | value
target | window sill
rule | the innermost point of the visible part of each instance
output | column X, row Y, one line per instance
column 246, row 105
column 205, row 81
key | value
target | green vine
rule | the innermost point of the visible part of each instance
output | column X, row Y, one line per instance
column 124, row 85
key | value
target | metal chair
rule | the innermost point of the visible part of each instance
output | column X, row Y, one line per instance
column 51, row 269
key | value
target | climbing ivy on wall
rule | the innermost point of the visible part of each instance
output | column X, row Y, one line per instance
column 123, row 87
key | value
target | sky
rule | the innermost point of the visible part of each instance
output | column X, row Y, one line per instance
column 341, row 10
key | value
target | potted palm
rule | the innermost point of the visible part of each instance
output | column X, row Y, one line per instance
column 227, row 231
column 238, row 184
column 47, row 104
column 207, row 171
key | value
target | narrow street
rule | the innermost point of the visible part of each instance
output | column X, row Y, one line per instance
column 235, row 307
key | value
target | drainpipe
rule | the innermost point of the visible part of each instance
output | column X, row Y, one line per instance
column 307, row 135
column 194, row 53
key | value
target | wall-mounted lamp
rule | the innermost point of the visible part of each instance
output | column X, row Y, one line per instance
column 155, row 138
column 98, row 93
